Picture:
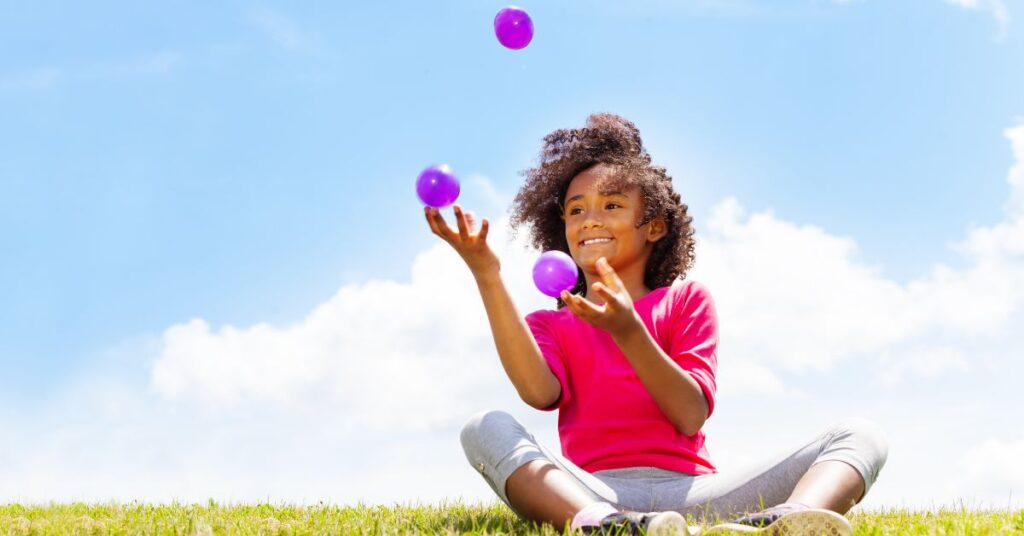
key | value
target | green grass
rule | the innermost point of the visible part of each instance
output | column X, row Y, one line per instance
column 448, row 518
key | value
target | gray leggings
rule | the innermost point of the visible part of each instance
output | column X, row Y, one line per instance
column 496, row 444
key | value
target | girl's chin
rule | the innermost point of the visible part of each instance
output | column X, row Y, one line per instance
column 590, row 261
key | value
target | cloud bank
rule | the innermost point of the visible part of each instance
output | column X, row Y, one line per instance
column 362, row 398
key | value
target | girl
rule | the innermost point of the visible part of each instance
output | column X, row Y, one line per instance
column 629, row 359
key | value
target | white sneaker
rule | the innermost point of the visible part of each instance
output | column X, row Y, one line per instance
column 810, row 522
column 638, row 523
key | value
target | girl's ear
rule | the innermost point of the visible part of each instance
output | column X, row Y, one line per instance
column 658, row 229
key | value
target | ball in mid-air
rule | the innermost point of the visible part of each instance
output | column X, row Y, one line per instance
column 513, row 27
column 554, row 272
column 437, row 186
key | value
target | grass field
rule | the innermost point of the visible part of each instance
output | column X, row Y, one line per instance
column 454, row 518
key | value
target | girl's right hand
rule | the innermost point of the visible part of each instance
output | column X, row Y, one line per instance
column 468, row 243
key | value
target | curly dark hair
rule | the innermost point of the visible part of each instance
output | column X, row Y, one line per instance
column 615, row 141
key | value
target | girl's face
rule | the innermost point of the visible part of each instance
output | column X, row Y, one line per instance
column 588, row 214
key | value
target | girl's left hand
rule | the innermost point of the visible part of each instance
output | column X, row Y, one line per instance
column 616, row 315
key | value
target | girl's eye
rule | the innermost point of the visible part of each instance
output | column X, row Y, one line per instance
column 574, row 209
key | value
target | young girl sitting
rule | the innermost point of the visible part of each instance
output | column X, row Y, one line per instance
column 628, row 359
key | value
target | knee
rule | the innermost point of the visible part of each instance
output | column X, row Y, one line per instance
column 868, row 436
column 482, row 424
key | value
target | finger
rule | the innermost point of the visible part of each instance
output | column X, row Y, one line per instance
column 606, row 293
column 429, row 215
column 484, row 227
column 570, row 301
column 470, row 221
column 586, row 306
column 608, row 274
column 444, row 230
column 460, row 220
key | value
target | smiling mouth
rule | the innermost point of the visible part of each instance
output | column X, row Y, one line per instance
column 596, row 243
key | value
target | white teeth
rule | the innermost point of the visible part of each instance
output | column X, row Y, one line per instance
column 596, row 241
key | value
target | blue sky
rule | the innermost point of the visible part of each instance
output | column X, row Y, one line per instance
column 241, row 162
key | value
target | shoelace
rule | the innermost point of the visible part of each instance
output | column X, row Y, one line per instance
column 769, row 515
column 619, row 523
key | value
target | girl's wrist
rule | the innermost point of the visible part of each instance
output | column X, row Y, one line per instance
column 487, row 275
column 631, row 330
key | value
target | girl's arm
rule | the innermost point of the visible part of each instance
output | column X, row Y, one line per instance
column 520, row 356
column 675, row 390
column 678, row 395
column 524, row 364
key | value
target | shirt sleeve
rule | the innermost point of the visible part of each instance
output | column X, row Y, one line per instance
column 695, row 337
column 540, row 325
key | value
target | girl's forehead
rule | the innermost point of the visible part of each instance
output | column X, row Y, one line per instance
column 578, row 195
column 605, row 187
column 600, row 181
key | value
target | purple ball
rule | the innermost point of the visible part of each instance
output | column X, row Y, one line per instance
column 513, row 27
column 437, row 186
column 554, row 272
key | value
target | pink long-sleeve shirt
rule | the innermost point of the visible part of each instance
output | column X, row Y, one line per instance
column 607, row 419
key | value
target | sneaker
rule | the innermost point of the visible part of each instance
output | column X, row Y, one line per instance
column 637, row 523
column 787, row 520
column 771, row 515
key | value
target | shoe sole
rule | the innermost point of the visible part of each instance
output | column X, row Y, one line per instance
column 803, row 523
column 668, row 524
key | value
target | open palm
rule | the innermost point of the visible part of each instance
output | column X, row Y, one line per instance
column 469, row 243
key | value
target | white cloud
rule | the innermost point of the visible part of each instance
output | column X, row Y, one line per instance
column 994, row 469
column 926, row 362
column 283, row 29
column 362, row 399
column 157, row 64
column 797, row 297
column 36, row 79
column 791, row 295
column 381, row 351
column 490, row 194
column 997, row 8
column 739, row 376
